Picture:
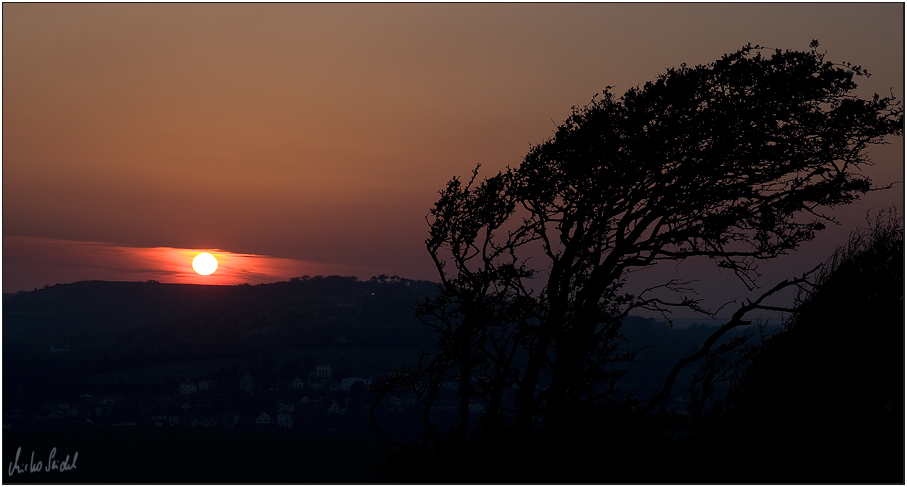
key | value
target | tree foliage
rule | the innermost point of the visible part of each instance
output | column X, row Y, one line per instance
column 737, row 161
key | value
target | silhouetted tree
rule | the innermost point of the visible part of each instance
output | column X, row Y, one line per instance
column 737, row 161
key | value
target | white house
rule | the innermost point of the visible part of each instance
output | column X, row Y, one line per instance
column 297, row 383
column 335, row 409
column 284, row 420
column 263, row 419
column 188, row 387
column 323, row 371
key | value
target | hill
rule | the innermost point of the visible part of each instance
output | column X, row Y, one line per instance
column 71, row 333
column 98, row 332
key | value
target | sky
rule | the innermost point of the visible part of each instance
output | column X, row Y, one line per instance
column 295, row 139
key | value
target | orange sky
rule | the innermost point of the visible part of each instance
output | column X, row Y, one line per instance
column 47, row 261
column 322, row 132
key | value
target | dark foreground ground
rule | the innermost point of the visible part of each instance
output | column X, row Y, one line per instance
column 148, row 455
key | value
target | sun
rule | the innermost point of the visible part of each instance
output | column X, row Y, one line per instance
column 204, row 263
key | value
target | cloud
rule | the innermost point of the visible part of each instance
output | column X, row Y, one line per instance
column 32, row 262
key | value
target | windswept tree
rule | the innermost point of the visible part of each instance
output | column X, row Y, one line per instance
column 737, row 161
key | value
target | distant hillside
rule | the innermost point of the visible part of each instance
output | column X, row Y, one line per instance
column 83, row 329
column 96, row 332
column 82, row 309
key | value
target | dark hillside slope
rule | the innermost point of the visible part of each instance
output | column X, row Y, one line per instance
column 824, row 402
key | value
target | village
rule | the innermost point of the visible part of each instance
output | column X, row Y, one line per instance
column 318, row 402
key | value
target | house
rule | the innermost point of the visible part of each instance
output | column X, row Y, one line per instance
column 284, row 420
column 347, row 384
column 108, row 400
column 263, row 419
column 393, row 400
column 188, row 387
column 335, row 409
column 283, row 407
column 246, row 383
column 323, row 371
column 310, row 400
column 297, row 383
column 15, row 415
column 59, row 410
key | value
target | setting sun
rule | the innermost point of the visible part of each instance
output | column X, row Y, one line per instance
column 204, row 263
